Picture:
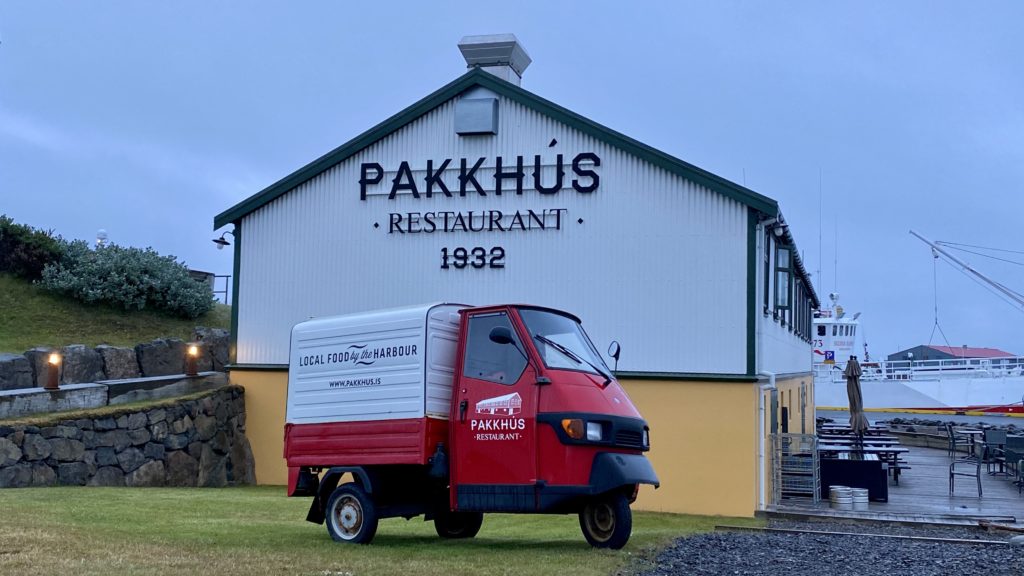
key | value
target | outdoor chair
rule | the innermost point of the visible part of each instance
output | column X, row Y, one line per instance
column 1020, row 478
column 993, row 451
column 969, row 466
column 956, row 440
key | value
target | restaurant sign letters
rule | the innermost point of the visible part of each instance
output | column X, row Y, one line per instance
column 467, row 177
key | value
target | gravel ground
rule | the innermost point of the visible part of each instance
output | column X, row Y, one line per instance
column 748, row 553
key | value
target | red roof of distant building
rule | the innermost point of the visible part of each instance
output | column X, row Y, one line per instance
column 968, row 352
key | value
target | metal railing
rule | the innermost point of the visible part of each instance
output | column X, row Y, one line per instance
column 928, row 369
column 225, row 294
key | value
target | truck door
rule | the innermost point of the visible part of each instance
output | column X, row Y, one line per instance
column 494, row 459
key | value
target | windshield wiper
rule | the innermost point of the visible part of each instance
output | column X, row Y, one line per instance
column 573, row 356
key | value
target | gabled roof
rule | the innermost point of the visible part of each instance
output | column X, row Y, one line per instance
column 967, row 352
column 477, row 77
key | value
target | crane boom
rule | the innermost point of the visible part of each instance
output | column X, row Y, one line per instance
column 970, row 270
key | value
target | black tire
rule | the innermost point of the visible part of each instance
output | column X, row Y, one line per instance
column 606, row 521
column 351, row 515
column 458, row 524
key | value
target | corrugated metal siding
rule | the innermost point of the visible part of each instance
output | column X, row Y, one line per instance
column 658, row 263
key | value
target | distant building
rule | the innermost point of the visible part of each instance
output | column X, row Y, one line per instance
column 923, row 352
column 203, row 277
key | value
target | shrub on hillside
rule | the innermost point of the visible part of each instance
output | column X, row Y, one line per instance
column 128, row 277
column 25, row 251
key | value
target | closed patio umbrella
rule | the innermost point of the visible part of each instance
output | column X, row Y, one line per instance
column 858, row 421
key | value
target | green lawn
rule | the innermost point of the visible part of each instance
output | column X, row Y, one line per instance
column 32, row 317
column 250, row 531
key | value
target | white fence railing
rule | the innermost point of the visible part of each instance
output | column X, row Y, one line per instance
column 927, row 369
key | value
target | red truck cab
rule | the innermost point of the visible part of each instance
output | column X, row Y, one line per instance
column 537, row 424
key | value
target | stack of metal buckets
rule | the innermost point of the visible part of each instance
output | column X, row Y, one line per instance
column 845, row 498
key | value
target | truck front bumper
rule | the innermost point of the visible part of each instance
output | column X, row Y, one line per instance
column 613, row 470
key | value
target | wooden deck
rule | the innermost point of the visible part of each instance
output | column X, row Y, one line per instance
column 923, row 495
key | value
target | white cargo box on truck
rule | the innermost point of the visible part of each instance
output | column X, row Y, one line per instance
column 381, row 365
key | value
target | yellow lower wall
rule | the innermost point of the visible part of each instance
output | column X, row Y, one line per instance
column 703, row 445
column 704, row 438
column 801, row 419
column 265, row 394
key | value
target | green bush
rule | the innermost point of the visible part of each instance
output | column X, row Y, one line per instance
column 25, row 251
column 127, row 277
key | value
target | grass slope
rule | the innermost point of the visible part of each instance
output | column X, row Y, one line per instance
column 254, row 531
column 30, row 317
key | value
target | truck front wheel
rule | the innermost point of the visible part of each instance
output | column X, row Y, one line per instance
column 606, row 521
column 458, row 524
column 351, row 515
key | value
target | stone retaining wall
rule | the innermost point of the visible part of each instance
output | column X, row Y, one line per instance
column 199, row 442
column 81, row 364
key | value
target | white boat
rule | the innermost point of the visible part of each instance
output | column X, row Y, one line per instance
column 966, row 385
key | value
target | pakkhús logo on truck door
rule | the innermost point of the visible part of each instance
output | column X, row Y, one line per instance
column 496, row 420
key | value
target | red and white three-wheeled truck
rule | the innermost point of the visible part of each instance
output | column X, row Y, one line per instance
column 451, row 411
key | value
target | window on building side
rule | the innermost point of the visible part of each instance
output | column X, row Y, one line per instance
column 783, row 274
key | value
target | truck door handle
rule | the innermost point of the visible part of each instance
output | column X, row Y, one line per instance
column 463, row 406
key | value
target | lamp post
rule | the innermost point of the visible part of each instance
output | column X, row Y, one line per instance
column 52, row 372
column 190, row 360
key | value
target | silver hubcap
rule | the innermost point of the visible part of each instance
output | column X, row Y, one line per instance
column 348, row 517
column 601, row 521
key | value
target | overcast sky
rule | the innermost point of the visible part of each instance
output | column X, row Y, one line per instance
column 148, row 119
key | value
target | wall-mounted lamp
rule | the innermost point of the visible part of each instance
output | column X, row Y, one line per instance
column 190, row 360
column 53, row 372
column 777, row 225
column 222, row 241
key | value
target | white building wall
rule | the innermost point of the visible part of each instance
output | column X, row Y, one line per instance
column 659, row 263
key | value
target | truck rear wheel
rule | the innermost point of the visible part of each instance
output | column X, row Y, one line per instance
column 458, row 524
column 606, row 521
column 351, row 515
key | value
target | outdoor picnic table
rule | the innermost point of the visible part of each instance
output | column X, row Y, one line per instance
column 868, row 441
column 848, row 430
column 829, row 436
column 888, row 454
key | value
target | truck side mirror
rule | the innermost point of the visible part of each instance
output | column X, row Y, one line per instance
column 501, row 335
column 614, row 350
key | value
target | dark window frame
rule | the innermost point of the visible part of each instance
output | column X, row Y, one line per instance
column 784, row 310
column 470, row 355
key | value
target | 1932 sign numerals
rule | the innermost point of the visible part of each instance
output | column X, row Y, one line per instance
column 477, row 257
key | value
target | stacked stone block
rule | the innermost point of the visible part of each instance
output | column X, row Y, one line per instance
column 197, row 442
column 161, row 357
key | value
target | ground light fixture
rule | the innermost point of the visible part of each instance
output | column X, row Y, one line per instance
column 53, row 372
column 190, row 360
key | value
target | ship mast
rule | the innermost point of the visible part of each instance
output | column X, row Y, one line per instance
column 967, row 268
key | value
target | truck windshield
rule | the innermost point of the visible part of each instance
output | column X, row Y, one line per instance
column 562, row 343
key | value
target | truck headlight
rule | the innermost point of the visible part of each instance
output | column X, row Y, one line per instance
column 594, row 431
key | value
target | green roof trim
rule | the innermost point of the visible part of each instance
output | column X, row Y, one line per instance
column 477, row 77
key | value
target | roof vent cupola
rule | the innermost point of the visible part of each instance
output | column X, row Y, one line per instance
column 499, row 54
